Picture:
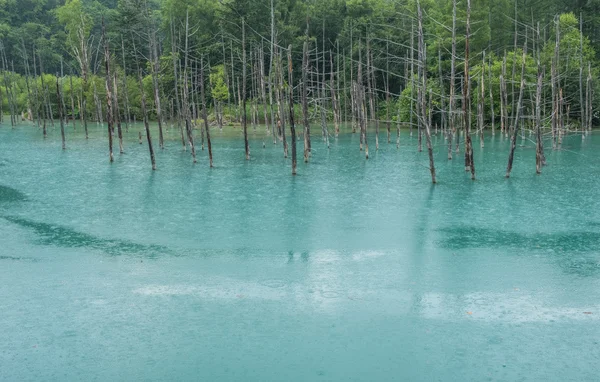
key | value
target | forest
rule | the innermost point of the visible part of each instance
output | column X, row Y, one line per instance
column 449, row 68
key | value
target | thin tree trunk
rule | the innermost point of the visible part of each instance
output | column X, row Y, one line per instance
column 109, row 97
column 452, row 102
column 146, row 124
column 244, row 117
column 204, row 112
column 469, row 165
column 118, row 113
column 176, row 79
column 515, row 130
column 423, row 91
column 60, row 114
column 304, row 100
column 291, row 102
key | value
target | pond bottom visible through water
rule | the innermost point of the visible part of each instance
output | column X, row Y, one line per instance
column 352, row 270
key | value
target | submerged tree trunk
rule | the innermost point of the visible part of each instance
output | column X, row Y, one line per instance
column 204, row 112
column 244, row 116
column 109, row 98
column 291, row 102
column 423, row 92
column 516, row 126
column 469, row 165
column 117, row 113
column 452, row 102
column 60, row 114
column 305, row 100
column 146, row 124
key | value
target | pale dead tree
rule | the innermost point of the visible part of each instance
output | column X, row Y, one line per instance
column 174, row 56
column 493, row 116
column 589, row 98
column 109, row 97
column 60, row 114
column 271, row 79
column 539, row 148
column 452, row 102
column 555, row 85
column 204, row 112
column 469, row 165
column 305, row 98
column 516, row 121
column 146, row 124
column 334, row 99
column 503, row 100
column 423, row 91
column 125, row 89
column 291, row 103
column 186, row 105
column 481, row 104
column 244, row 116
column 583, row 108
column 117, row 112
column 155, row 73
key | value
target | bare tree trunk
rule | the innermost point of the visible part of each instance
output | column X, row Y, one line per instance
column 334, row 100
column 304, row 100
column 155, row 71
column 589, row 97
column 469, row 165
column 423, row 91
column 204, row 113
column 515, row 131
column 361, row 107
column 186, row 105
column 60, row 114
column 539, row 151
column 481, row 104
column 244, row 118
column 452, row 102
column 125, row 90
column 176, row 79
column 291, row 102
column 371, row 91
column 109, row 97
column 555, row 97
column 281, row 102
column 493, row 116
column 146, row 125
column 117, row 114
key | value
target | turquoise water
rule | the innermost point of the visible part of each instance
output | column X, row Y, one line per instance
column 353, row 270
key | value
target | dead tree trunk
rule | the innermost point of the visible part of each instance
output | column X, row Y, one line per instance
column 109, row 97
column 186, row 106
column 146, row 124
column 539, row 151
column 423, row 92
column 204, row 112
column 305, row 100
column 118, row 114
column 244, row 117
column 516, row 126
column 155, row 71
column 60, row 114
column 334, row 99
column 469, row 165
column 292, row 125
column 452, row 102
column 176, row 79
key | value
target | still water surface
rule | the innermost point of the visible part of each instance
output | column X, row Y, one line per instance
column 353, row 270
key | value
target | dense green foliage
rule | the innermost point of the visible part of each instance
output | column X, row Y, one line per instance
column 64, row 36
